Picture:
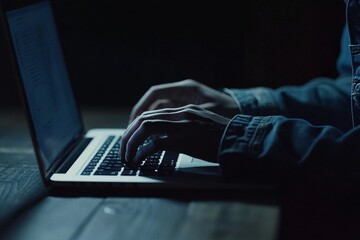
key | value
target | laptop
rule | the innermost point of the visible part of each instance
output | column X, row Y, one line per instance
column 68, row 156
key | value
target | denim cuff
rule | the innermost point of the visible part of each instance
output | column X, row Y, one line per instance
column 257, row 101
column 355, row 88
column 245, row 135
column 241, row 148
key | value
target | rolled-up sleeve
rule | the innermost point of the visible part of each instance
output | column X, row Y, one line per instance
column 267, row 148
column 322, row 101
column 257, row 101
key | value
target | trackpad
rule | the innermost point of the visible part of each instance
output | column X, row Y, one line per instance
column 198, row 166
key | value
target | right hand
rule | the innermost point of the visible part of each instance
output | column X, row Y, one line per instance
column 177, row 94
column 174, row 127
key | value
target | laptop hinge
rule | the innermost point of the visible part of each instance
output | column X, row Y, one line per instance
column 73, row 155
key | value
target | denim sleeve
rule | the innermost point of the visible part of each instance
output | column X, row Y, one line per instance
column 322, row 101
column 266, row 148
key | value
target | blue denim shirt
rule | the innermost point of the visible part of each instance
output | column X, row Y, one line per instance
column 353, row 20
column 305, row 128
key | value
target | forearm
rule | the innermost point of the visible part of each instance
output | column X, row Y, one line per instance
column 321, row 102
column 268, row 148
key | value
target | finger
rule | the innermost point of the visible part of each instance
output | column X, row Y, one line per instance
column 160, row 114
column 190, row 111
column 181, row 91
column 146, row 116
column 155, row 145
column 163, row 91
column 161, row 104
column 166, row 111
column 125, row 138
column 147, row 128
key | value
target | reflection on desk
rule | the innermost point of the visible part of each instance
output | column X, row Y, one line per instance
column 145, row 218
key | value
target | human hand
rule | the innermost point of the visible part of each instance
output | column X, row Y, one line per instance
column 190, row 130
column 177, row 94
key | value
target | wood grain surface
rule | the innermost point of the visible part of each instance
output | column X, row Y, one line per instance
column 20, row 182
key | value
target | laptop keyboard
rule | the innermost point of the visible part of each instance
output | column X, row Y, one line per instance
column 107, row 162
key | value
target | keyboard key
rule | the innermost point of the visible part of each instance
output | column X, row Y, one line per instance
column 148, row 172
column 105, row 168
column 128, row 172
column 150, row 164
column 170, row 163
column 89, row 169
column 92, row 163
column 109, row 173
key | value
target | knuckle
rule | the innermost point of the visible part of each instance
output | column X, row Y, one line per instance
column 189, row 82
column 142, row 117
column 154, row 88
column 188, row 112
column 146, row 124
column 192, row 106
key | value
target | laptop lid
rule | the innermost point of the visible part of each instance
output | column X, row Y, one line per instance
column 53, row 116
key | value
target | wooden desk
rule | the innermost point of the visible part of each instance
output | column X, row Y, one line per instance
column 29, row 211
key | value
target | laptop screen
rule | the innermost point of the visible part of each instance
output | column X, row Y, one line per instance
column 45, row 80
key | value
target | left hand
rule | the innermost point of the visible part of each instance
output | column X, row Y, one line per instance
column 182, row 93
column 190, row 130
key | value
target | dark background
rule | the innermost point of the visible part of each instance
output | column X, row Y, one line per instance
column 115, row 50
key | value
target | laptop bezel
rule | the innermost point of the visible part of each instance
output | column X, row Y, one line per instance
column 46, row 172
